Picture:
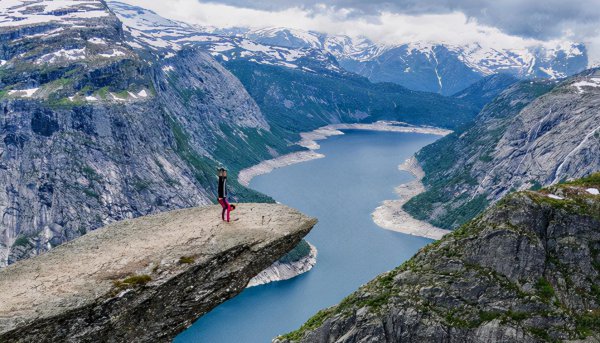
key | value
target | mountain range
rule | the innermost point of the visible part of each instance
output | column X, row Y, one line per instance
column 77, row 76
column 431, row 66
column 425, row 66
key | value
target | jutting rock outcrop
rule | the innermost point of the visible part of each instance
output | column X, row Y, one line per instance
column 145, row 279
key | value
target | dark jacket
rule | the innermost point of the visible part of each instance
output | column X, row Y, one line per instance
column 222, row 186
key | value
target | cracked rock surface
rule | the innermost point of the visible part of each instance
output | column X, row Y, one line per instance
column 144, row 279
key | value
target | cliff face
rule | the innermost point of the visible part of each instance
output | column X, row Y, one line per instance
column 534, row 134
column 93, row 131
column 526, row 270
column 484, row 91
column 146, row 279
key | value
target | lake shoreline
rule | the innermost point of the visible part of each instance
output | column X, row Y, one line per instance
column 309, row 141
column 342, row 190
column 391, row 216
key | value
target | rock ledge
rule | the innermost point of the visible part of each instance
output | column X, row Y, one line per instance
column 145, row 279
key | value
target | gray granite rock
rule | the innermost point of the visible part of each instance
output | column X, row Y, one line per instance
column 526, row 270
column 145, row 279
column 532, row 135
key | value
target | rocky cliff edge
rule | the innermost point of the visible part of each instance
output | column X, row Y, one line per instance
column 144, row 279
column 526, row 270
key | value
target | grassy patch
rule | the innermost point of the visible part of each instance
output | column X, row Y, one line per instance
column 485, row 316
column 536, row 185
column 544, row 289
column 589, row 181
column 21, row 241
column 134, row 281
column 314, row 322
column 588, row 323
column 186, row 260
column 540, row 333
column 517, row 316
column 90, row 173
column 102, row 93
column 91, row 193
column 141, row 185
column 63, row 102
column 453, row 320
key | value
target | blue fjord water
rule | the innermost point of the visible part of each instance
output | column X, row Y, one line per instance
column 341, row 190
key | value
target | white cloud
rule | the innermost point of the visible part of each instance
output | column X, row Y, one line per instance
column 385, row 27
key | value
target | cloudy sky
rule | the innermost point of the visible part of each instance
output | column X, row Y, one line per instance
column 500, row 23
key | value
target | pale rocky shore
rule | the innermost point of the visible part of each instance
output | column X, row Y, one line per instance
column 309, row 141
column 265, row 167
column 283, row 271
column 390, row 214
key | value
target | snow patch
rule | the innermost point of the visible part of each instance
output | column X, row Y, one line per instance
column 114, row 53
column 552, row 196
column 251, row 46
column 168, row 68
column 116, row 97
column 2, row 62
column 91, row 98
column 16, row 13
column 135, row 45
column 222, row 47
column 592, row 82
column 97, row 40
column 593, row 191
column 24, row 93
column 142, row 93
column 553, row 74
column 62, row 55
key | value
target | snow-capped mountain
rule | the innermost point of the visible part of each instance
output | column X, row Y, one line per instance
column 58, row 12
column 435, row 67
column 447, row 69
column 151, row 31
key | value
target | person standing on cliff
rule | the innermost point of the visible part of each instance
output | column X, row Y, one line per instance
column 223, row 194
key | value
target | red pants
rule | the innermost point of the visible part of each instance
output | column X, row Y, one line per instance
column 226, row 208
